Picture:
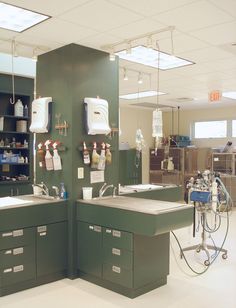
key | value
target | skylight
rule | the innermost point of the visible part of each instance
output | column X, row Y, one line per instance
column 231, row 94
column 141, row 94
column 149, row 56
column 18, row 19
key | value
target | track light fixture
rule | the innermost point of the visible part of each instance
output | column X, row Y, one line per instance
column 140, row 78
column 112, row 55
column 35, row 56
column 129, row 48
column 125, row 77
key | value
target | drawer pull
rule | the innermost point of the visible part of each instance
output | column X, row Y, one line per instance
column 8, row 252
column 41, row 229
column 7, row 270
column 8, row 234
column 108, row 231
column 42, row 233
column 18, row 251
column 116, row 233
column 97, row 229
column 18, row 268
column 17, row 233
column 116, row 269
column 116, row 251
column 90, row 227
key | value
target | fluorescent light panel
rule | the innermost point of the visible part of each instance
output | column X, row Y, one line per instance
column 149, row 56
column 141, row 94
column 18, row 19
column 230, row 94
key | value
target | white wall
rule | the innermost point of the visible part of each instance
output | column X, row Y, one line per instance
column 188, row 117
column 131, row 119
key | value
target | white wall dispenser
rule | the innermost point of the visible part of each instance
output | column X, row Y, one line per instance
column 41, row 115
column 97, row 116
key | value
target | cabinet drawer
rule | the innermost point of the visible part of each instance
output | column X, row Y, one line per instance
column 17, row 255
column 118, row 256
column 16, row 238
column 117, row 239
column 118, row 275
column 10, row 275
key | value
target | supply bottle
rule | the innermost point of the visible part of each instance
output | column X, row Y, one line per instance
column 95, row 157
column 102, row 159
column 56, row 157
column 108, row 154
column 63, row 193
column 41, row 155
column 26, row 111
column 18, row 109
column 86, row 156
column 48, row 157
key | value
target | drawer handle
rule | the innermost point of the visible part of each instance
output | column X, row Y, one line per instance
column 7, row 270
column 17, row 233
column 90, row 227
column 116, row 269
column 18, row 268
column 97, row 229
column 41, row 229
column 116, row 251
column 8, row 252
column 8, row 234
column 116, row 233
column 18, row 251
column 42, row 233
column 108, row 231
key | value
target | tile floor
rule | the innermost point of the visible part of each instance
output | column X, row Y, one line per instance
column 216, row 288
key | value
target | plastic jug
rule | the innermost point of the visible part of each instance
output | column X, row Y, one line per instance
column 18, row 109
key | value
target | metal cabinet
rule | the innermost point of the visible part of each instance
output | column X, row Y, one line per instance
column 51, row 243
column 89, row 248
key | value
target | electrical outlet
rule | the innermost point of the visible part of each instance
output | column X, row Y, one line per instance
column 80, row 173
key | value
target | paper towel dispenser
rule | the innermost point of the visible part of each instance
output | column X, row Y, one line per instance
column 41, row 115
column 97, row 116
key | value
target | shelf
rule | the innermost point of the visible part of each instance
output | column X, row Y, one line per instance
column 15, row 182
column 13, row 117
column 7, row 148
column 15, row 164
column 12, row 132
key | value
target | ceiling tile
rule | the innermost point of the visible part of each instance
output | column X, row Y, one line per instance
column 226, row 5
column 140, row 27
column 217, row 35
column 211, row 77
column 222, row 64
column 52, row 7
column 60, row 31
column 96, row 41
column 151, row 7
column 194, row 16
column 101, row 15
column 6, row 34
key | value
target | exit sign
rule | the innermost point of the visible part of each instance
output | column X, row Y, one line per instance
column 215, row 96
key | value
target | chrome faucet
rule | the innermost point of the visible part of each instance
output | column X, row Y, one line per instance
column 104, row 188
column 56, row 189
column 43, row 187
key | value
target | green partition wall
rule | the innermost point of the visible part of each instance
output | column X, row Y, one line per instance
column 68, row 75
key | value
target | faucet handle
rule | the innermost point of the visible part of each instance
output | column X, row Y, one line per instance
column 114, row 191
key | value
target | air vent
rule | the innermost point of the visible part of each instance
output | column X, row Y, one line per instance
column 182, row 99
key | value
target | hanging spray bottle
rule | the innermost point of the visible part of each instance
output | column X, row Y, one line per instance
column 48, row 156
column 56, row 157
column 108, row 154
column 102, row 159
column 95, row 157
column 41, row 155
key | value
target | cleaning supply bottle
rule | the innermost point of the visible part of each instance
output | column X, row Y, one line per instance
column 56, row 157
column 95, row 157
column 63, row 193
column 18, row 109
column 26, row 111
column 41, row 155
column 48, row 157
column 102, row 159
column 86, row 156
column 108, row 154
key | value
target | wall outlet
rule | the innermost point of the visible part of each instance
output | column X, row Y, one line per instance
column 80, row 173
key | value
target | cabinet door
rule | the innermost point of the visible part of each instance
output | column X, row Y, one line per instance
column 89, row 249
column 51, row 248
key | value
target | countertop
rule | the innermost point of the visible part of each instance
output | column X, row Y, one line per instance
column 27, row 200
column 146, row 206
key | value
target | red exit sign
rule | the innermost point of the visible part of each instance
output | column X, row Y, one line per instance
column 215, row 96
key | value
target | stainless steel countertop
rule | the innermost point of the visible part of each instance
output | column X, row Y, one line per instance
column 146, row 206
column 131, row 189
column 30, row 200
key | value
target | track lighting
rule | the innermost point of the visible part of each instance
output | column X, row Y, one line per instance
column 112, row 55
column 140, row 78
column 125, row 75
column 35, row 56
column 129, row 48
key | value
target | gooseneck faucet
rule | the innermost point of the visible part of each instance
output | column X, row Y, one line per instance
column 104, row 188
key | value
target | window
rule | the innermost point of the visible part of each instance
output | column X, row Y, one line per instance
column 234, row 128
column 211, row 129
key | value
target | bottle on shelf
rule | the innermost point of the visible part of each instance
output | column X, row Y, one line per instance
column 26, row 111
column 19, row 109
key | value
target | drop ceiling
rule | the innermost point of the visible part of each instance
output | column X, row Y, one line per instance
column 205, row 31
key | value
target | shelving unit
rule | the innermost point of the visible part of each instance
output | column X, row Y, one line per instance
column 12, row 172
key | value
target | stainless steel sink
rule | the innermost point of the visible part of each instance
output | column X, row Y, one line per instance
column 45, row 197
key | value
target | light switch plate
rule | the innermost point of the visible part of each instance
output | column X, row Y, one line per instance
column 80, row 173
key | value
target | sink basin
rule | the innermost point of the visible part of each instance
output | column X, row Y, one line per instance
column 43, row 197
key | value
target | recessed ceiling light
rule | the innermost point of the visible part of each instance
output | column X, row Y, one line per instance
column 230, row 94
column 141, row 94
column 146, row 56
column 18, row 19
